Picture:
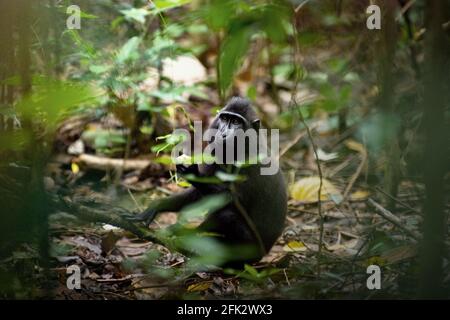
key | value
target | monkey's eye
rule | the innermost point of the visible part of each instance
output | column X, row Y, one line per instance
column 236, row 121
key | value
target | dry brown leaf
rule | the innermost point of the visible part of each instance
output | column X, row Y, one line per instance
column 307, row 189
column 359, row 195
column 109, row 241
column 355, row 146
column 199, row 286
column 343, row 246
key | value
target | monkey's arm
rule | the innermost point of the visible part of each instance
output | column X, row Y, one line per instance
column 205, row 171
column 171, row 203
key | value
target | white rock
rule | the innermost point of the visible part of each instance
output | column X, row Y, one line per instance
column 76, row 148
column 109, row 227
column 185, row 70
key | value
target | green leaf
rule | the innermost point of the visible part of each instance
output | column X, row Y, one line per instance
column 283, row 70
column 160, row 46
column 217, row 13
column 164, row 159
column 252, row 271
column 251, row 93
column 170, row 95
column 85, row 46
column 204, row 206
column 208, row 251
column 163, row 5
column 345, row 93
column 233, row 49
column 135, row 14
column 104, row 139
column 379, row 243
column 351, row 77
column 60, row 249
column 83, row 14
column 184, row 184
column 86, row 15
column 128, row 51
column 197, row 28
column 228, row 177
column 98, row 69
column 15, row 141
column 147, row 130
column 174, row 30
column 273, row 18
column 194, row 178
column 160, row 147
column 319, row 77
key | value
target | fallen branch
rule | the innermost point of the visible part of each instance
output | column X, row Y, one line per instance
column 389, row 216
column 103, row 163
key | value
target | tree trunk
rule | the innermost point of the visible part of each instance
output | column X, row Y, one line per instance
column 436, row 152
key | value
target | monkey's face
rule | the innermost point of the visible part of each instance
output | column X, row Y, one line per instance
column 228, row 125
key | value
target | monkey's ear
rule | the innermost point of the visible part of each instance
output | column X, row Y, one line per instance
column 256, row 124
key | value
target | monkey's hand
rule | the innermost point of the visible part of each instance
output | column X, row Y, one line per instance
column 172, row 203
column 187, row 169
column 146, row 216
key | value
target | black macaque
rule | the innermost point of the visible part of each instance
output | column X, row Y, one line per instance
column 256, row 215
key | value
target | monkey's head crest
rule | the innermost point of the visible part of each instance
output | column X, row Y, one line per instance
column 242, row 108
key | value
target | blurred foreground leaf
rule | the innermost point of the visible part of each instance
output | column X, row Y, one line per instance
column 50, row 101
column 163, row 5
column 205, row 206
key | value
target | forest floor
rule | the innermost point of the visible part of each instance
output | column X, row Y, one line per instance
column 358, row 228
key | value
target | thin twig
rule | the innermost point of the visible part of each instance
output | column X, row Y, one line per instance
column 302, row 119
column 295, row 140
column 134, row 200
column 291, row 144
column 300, row 6
column 386, row 214
column 286, row 277
column 355, row 175
column 164, row 285
column 397, row 200
column 404, row 9
column 248, row 220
